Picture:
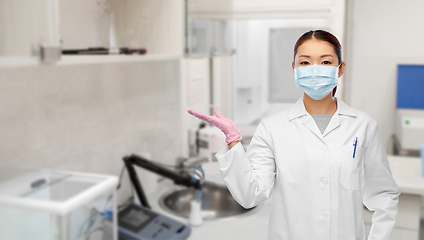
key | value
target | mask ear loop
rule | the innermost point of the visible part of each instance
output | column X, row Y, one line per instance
column 333, row 91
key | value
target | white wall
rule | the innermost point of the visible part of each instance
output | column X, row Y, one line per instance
column 85, row 118
column 381, row 34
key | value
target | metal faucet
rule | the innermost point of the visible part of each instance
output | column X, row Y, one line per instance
column 182, row 166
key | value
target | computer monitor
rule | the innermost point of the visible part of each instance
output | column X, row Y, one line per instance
column 410, row 87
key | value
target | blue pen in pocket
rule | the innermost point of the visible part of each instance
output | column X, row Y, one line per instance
column 355, row 142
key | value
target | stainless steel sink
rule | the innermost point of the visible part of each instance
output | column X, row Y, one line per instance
column 217, row 202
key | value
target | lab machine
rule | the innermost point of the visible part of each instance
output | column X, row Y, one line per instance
column 410, row 128
column 210, row 140
column 140, row 222
column 46, row 204
column 410, row 109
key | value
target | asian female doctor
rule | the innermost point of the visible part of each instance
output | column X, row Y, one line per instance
column 321, row 159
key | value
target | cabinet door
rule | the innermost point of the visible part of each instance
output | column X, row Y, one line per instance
column 210, row 37
column 249, row 5
column 24, row 24
column 210, row 6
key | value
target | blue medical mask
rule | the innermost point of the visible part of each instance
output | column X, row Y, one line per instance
column 317, row 81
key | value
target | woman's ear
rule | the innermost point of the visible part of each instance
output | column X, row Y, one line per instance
column 341, row 69
column 293, row 66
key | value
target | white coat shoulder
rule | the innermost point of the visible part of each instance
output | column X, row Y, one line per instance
column 364, row 117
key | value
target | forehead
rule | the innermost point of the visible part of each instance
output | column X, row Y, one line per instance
column 315, row 47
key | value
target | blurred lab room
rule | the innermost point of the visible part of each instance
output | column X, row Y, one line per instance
column 96, row 141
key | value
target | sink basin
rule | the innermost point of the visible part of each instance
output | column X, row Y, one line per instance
column 217, row 202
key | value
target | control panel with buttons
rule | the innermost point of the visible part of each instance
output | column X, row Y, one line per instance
column 140, row 223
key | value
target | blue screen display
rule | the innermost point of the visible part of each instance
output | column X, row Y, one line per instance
column 410, row 86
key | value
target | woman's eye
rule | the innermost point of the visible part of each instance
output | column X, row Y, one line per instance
column 326, row 62
column 304, row 63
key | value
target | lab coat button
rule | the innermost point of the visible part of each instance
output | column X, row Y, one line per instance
column 324, row 181
column 324, row 215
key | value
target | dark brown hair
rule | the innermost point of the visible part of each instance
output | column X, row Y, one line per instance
column 323, row 36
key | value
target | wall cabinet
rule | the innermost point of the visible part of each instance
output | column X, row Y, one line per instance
column 265, row 8
column 156, row 25
column 24, row 25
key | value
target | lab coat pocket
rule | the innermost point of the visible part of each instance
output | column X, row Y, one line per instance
column 351, row 168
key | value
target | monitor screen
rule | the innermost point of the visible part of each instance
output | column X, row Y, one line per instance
column 410, row 87
column 134, row 218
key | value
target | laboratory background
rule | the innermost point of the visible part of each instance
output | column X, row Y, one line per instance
column 95, row 138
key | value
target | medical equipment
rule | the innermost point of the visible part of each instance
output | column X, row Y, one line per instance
column 210, row 140
column 45, row 204
column 410, row 110
column 205, row 142
column 181, row 179
column 410, row 85
column 195, row 218
column 409, row 129
column 140, row 223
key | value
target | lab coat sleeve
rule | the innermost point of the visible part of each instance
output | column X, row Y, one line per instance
column 381, row 192
column 250, row 175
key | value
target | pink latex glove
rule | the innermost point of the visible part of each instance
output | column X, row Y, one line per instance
column 224, row 124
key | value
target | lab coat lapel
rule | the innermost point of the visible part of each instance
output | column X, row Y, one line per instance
column 342, row 109
column 298, row 110
column 310, row 123
column 333, row 124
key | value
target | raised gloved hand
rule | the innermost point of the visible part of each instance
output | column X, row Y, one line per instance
column 224, row 124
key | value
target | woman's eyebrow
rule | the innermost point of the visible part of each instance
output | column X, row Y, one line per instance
column 322, row 56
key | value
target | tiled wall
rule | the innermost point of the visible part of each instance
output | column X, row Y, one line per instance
column 87, row 117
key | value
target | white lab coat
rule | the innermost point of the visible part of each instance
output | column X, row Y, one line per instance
column 318, row 187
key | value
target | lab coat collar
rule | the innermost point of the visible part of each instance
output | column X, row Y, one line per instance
column 344, row 109
column 298, row 109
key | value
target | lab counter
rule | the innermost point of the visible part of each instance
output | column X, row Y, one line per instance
column 254, row 224
column 407, row 173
